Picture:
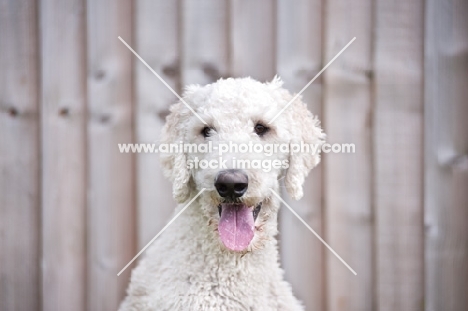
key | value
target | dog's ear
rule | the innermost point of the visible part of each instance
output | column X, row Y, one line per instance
column 304, row 128
column 175, row 164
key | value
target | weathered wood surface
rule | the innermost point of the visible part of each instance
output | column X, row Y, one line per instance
column 398, row 154
column 252, row 33
column 299, row 58
column 63, row 180
column 446, row 138
column 111, row 178
column 20, row 198
column 156, row 30
column 348, row 176
column 205, row 41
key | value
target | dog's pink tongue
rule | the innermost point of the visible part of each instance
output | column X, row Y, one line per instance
column 236, row 226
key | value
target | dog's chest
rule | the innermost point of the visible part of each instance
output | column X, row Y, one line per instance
column 214, row 284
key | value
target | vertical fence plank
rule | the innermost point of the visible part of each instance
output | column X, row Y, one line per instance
column 20, row 157
column 111, row 174
column 63, row 154
column 205, row 41
column 348, row 197
column 252, row 33
column 157, row 42
column 299, row 46
column 446, row 184
column 398, row 149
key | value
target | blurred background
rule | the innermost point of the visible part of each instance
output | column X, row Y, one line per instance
column 74, row 211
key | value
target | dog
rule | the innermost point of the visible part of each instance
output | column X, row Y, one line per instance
column 221, row 252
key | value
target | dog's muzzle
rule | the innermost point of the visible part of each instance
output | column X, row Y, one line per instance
column 236, row 219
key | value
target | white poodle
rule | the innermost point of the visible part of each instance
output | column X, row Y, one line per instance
column 221, row 253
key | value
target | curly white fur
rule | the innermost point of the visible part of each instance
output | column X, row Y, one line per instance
column 188, row 268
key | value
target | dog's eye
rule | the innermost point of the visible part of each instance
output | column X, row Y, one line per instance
column 206, row 131
column 261, row 129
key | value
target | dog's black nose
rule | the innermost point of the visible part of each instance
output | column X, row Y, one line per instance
column 231, row 183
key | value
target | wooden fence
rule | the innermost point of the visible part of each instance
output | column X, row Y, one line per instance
column 74, row 211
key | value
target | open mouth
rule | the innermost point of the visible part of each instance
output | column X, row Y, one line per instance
column 237, row 224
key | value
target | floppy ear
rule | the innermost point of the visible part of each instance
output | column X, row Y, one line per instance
column 175, row 164
column 305, row 128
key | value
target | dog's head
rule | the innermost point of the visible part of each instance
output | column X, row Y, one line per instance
column 238, row 156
